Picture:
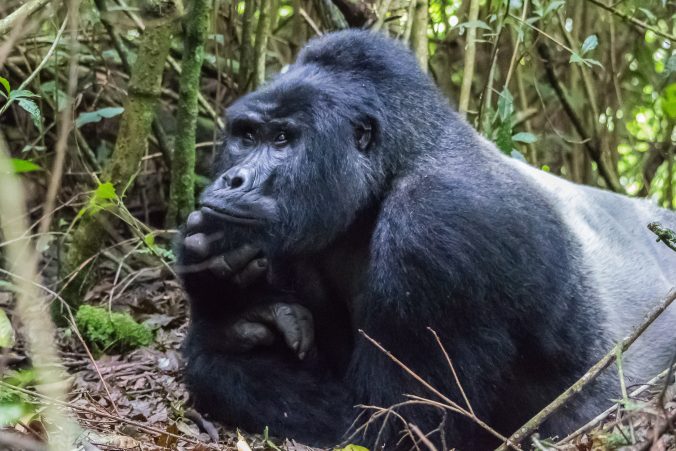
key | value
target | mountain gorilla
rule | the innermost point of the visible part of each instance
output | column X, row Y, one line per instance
column 349, row 196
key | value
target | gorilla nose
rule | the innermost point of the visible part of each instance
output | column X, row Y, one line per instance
column 238, row 178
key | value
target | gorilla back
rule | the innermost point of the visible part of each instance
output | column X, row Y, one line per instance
column 375, row 207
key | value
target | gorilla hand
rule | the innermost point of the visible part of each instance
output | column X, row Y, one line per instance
column 263, row 324
column 204, row 251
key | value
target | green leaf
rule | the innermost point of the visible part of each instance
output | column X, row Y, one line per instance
column 476, row 24
column 105, row 191
column 592, row 62
column 589, row 44
column 21, row 93
column 524, row 137
column 668, row 101
column 518, row 155
column 12, row 412
column 575, row 58
column 6, row 331
column 97, row 116
column 651, row 17
column 31, row 108
column 352, row 447
column 149, row 240
column 553, row 6
column 51, row 89
column 504, row 137
column 670, row 67
column 505, row 105
column 104, row 196
column 5, row 84
column 21, row 166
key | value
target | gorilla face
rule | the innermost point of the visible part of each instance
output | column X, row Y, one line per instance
column 298, row 161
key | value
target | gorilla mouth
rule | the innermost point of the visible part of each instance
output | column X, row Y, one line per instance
column 229, row 215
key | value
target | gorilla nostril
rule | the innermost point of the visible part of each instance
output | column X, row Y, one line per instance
column 236, row 182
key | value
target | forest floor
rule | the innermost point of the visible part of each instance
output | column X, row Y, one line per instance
column 137, row 400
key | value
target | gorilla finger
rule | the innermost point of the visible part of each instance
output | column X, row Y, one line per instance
column 195, row 221
column 251, row 272
column 281, row 317
column 307, row 331
column 286, row 322
column 246, row 335
column 237, row 259
column 197, row 245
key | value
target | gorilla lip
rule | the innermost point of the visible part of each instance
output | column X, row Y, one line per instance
column 229, row 216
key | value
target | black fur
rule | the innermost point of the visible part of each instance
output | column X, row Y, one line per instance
column 424, row 227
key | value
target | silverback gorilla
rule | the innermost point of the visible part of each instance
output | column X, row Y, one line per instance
column 349, row 196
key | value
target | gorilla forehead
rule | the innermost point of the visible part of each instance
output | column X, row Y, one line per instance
column 305, row 91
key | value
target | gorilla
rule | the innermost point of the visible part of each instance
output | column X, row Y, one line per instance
column 349, row 196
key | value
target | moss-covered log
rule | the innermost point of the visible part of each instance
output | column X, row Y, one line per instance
column 182, row 193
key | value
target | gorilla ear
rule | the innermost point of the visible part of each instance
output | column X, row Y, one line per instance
column 364, row 133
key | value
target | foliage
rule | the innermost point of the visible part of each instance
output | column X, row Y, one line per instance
column 111, row 331
column 15, row 406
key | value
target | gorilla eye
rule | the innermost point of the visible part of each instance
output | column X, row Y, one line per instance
column 281, row 139
column 248, row 137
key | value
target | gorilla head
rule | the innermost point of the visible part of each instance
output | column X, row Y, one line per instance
column 307, row 153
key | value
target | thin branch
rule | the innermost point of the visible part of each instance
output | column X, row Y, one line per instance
column 607, row 360
column 455, row 374
column 443, row 397
column 633, row 20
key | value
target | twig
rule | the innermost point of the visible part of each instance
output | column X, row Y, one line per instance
column 633, row 20
column 423, row 438
column 590, row 375
column 452, row 404
column 310, row 22
column 455, row 375
column 20, row 15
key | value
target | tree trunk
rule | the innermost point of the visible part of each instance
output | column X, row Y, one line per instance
column 182, row 192
column 419, row 33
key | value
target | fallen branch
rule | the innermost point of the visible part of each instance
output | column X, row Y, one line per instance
column 532, row 425
column 21, row 13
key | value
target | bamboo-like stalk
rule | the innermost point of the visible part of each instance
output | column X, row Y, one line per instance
column 470, row 57
column 261, row 48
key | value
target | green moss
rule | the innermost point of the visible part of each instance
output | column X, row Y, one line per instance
column 111, row 331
